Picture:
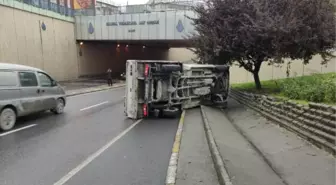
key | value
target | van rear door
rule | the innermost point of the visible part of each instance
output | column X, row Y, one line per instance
column 131, row 95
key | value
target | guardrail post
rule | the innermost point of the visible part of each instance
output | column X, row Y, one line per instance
column 58, row 6
column 49, row 5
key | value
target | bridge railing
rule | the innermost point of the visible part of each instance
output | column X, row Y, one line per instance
column 48, row 5
column 162, row 6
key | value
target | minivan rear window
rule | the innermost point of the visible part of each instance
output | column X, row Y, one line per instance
column 8, row 78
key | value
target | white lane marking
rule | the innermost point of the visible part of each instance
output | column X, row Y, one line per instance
column 74, row 171
column 99, row 104
column 94, row 92
column 16, row 130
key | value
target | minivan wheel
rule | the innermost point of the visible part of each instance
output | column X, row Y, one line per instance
column 7, row 119
column 59, row 109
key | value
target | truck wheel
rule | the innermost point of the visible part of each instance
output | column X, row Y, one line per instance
column 223, row 105
column 171, row 112
column 222, row 68
column 156, row 113
column 7, row 119
column 167, row 68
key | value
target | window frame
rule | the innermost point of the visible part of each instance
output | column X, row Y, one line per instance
column 16, row 79
column 52, row 81
column 33, row 72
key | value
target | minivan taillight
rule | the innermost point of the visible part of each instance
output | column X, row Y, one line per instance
column 145, row 110
column 146, row 70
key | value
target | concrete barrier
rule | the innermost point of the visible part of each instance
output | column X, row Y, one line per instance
column 315, row 122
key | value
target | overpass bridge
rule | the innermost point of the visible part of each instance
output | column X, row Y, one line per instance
column 164, row 28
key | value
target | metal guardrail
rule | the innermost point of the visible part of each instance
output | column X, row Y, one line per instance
column 48, row 5
column 155, row 6
column 112, row 9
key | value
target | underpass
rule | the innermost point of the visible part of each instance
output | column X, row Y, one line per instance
column 107, row 41
column 95, row 57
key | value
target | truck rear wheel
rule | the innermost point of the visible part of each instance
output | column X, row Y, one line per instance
column 171, row 112
column 167, row 68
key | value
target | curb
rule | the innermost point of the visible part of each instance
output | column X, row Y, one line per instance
column 223, row 175
column 172, row 168
column 93, row 90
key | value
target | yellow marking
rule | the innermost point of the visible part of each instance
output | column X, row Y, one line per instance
column 182, row 119
column 176, row 146
column 178, row 138
column 171, row 173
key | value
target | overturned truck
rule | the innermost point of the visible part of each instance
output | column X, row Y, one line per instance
column 165, row 88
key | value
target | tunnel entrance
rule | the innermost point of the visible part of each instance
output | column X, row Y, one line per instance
column 95, row 57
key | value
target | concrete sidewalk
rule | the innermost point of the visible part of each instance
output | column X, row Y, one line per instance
column 294, row 159
column 242, row 162
column 195, row 165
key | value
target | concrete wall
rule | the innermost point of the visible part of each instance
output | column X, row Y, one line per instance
column 240, row 75
column 270, row 72
column 180, row 54
column 23, row 41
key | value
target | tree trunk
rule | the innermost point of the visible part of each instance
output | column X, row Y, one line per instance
column 257, row 80
column 256, row 74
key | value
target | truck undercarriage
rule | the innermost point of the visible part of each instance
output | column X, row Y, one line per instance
column 164, row 88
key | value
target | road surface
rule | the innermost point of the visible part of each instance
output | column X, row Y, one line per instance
column 91, row 143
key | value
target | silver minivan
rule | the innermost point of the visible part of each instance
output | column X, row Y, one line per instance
column 25, row 90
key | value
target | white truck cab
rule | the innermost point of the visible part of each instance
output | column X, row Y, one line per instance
column 164, row 88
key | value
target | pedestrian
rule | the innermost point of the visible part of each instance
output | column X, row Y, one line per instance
column 109, row 77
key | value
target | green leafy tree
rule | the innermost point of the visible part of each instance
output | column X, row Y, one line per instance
column 250, row 32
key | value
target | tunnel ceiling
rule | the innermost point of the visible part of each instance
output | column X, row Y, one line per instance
column 147, row 43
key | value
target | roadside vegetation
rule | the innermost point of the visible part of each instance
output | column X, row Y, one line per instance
column 319, row 88
column 253, row 32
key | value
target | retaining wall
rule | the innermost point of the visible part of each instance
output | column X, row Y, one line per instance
column 314, row 122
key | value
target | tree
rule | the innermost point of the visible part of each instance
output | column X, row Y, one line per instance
column 250, row 32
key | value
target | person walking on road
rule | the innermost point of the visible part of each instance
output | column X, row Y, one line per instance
column 109, row 77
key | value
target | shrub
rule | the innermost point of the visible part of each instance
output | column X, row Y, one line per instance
column 315, row 88
column 330, row 88
column 291, row 88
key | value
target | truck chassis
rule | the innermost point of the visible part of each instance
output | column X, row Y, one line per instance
column 164, row 88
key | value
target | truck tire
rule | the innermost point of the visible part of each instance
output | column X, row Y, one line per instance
column 222, row 105
column 167, row 68
column 221, row 68
column 171, row 112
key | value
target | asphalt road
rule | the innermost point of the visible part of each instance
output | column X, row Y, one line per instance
column 91, row 143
